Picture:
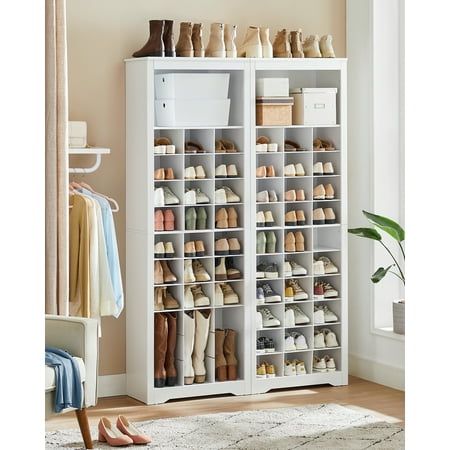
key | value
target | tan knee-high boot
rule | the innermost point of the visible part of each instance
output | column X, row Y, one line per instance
column 202, row 319
column 160, row 345
column 221, row 363
column 169, row 363
column 216, row 44
column 229, row 351
column 189, row 334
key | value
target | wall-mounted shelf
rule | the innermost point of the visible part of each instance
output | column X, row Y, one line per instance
column 95, row 151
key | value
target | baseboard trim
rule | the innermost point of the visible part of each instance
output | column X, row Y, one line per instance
column 112, row 385
column 377, row 372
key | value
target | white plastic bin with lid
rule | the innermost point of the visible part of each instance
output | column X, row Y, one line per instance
column 192, row 113
column 272, row 87
column 314, row 106
column 190, row 86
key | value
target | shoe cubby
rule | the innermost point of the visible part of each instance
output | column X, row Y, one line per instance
column 334, row 257
column 147, row 168
column 332, row 353
column 334, row 307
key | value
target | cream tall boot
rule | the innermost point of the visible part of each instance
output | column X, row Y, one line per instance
column 267, row 49
column 188, row 344
column 281, row 45
column 251, row 47
column 230, row 44
column 326, row 46
column 311, row 47
column 216, row 44
column 202, row 319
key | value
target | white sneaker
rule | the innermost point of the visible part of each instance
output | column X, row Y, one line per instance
column 329, row 266
column 299, row 170
column 289, row 170
column 329, row 315
column 287, row 269
column 262, row 197
column 221, row 171
column 188, row 297
column 289, row 369
column 297, row 269
column 201, row 197
column 330, row 338
column 329, row 291
column 319, row 268
column 268, row 319
column 300, row 317
column 170, row 149
column 300, row 342
column 319, row 316
column 319, row 339
column 190, row 197
column 259, row 320
column 220, row 196
column 319, row 364
column 289, row 343
column 318, row 168
column 158, row 197
column 189, row 173
column 169, row 197
column 231, row 196
column 200, row 172
column 329, row 361
column 289, row 318
column 300, row 368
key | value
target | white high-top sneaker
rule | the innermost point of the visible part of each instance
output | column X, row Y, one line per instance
column 300, row 317
column 190, row 197
column 297, row 269
column 319, row 339
column 269, row 320
column 300, row 367
column 289, row 369
column 319, row 364
column 158, row 197
column 201, row 197
column 289, row 343
column 189, row 276
column 329, row 266
column 319, row 316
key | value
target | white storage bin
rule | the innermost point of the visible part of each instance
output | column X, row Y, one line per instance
column 272, row 87
column 314, row 106
column 189, row 86
column 77, row 134
column 192, row 113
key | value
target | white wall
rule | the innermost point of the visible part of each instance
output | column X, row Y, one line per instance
column 374, row 162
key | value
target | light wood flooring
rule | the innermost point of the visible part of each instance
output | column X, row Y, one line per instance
column 380, row 400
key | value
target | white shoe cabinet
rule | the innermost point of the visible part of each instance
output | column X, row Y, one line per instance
column 320, row 240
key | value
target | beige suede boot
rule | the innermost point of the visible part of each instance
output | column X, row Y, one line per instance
column 311, row 47
column 230, row 36
column 197, row 41
column 281, row 46
column 296, row 44
column 326, row 46
column 251, row 47
column 216, row 44
column 184, row 45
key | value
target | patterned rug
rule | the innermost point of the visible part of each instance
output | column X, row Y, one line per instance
column 326, row 426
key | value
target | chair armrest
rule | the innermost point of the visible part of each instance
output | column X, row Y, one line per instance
column 78, row 336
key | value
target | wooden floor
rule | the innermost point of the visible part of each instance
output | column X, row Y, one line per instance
column 380, row 400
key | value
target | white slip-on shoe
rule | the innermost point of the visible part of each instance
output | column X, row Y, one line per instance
column 231, row 196
column 262, row 197
column 319, row 267
column 319, row 316
column 318, row 168
column 330, row 338
column 269, row 320
column 331, row 365
column 289, row 343
column 272, row 147
column 169, row 197
column 159, row 149
column 221, row 171
column 289, row 317
column 260, row 219
column 300, row 368
column 319, row 339
column 159, row 250
column 259, row 320
column 190, row 197
column 232, row 171
column 189, row 173
column 328, row 168
column 329, row 315
column 289, row 369
column 287, row 269
column 329, row 266
column 289, row 170
column 201, row 197
column 220, row 196
column 158, row 197
column 188, row 297
column 300, row 341
column 200, row 173
column 261, row 148
column 299, row 170
column 270, row 296
column 319, row 364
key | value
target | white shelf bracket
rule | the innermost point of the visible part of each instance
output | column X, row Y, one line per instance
column 91, row 169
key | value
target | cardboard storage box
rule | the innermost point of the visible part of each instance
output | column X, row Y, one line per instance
column 272, row 87
column 274, row 110
column 314, row 106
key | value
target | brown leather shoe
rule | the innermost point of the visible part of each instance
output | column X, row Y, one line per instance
column 329, row 191
column 289, row 196
column 234, row 246
column 281, row 46
column 161, row 333
column 189, row 249
column 221, row 218
column 184, row 45
column 221, row 363
column 232, row 218
column 169, row 361
column 296, row 44
column 155, row 44
column 169, row 43
column 229, row 351
column 158, row 298
column 169, row 220
column 159, row 220
column 289, row 242
column 158, row 273
column 300, row 216
column 170, row 302
column 168, row 174
column 299, row 242
column 300, row 195
column 261, row 172
column 222, row 247
column 199, row 248
column 290, row 219
column 197, row 41
column 169, row 277
column 270, row 171
column 159, row 174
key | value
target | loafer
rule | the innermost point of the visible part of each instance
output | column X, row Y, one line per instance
column 234, row 246
column 200, row 173
column 299, row 170
column 319, row 192
column 318, row 216
column 232, row 171
column 189, row 173
column 328, row 168
column 318, row 168
column 330, row 217
column 189, row 249
column 300, row 216
column 290, row 219
column 221, row 171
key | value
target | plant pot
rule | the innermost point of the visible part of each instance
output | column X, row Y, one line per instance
column 398, row 311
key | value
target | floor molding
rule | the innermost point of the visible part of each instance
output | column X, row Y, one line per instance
column 377, row 372
column 112, row 385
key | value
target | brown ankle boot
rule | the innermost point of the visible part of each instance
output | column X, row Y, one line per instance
column 158, row 299
column 169, row 43
column 296, row 44
column 170, row 302
column 299, row 242
column 221, row 218
column 184, row 45
column 197, row 42
column 221, row 362
column 155, row 44
column 161, row 333
column 168, row 275
column 169, row 362
column 229, row 351
column 232, row 218
column 281, row 46
column 289, row 242
column 158, row 273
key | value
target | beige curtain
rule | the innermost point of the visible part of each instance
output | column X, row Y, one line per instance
column 56, row 160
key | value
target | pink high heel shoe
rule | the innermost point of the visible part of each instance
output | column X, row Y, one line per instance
column 108, row 432
column 126, row 427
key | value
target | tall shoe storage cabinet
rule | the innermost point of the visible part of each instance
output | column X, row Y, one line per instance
column 320, row 240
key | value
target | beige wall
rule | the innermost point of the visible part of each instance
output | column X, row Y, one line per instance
column 101, row 33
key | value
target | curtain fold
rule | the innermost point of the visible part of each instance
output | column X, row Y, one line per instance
column 56, row 160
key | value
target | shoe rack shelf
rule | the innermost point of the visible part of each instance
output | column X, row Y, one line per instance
column 320, row 240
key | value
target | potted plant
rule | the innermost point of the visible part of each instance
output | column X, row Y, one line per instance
column 396, row 232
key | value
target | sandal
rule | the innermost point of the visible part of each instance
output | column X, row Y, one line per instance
column 163, row 145
column 193, row 147
column 291, row 146
column 229, row 146
column 220, row 147
column 327, row 145
column 317, row 145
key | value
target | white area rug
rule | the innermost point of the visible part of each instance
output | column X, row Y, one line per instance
column 327, row 426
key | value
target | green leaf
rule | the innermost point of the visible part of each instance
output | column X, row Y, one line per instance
column 380, row 273
column 369, row 233
column 388, row 225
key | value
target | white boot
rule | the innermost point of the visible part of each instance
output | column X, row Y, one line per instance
column 189, row 276
column 216, row 44
column 251, row 47
column 311, row 47
column 230, row 44
column 202, row 319
column 189, row 333
column 267, row 49
column 326, row 46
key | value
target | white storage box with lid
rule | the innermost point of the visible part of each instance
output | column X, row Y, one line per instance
column 272, row 87
column 192, row 113
column 314, row 106
column 77, row 134
column 190, row 86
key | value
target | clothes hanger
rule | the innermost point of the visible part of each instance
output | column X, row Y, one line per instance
column 110, row 199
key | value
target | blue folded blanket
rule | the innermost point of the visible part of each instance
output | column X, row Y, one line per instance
column 69, row 390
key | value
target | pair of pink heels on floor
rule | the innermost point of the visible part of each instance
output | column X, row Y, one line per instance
column 123, row 433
